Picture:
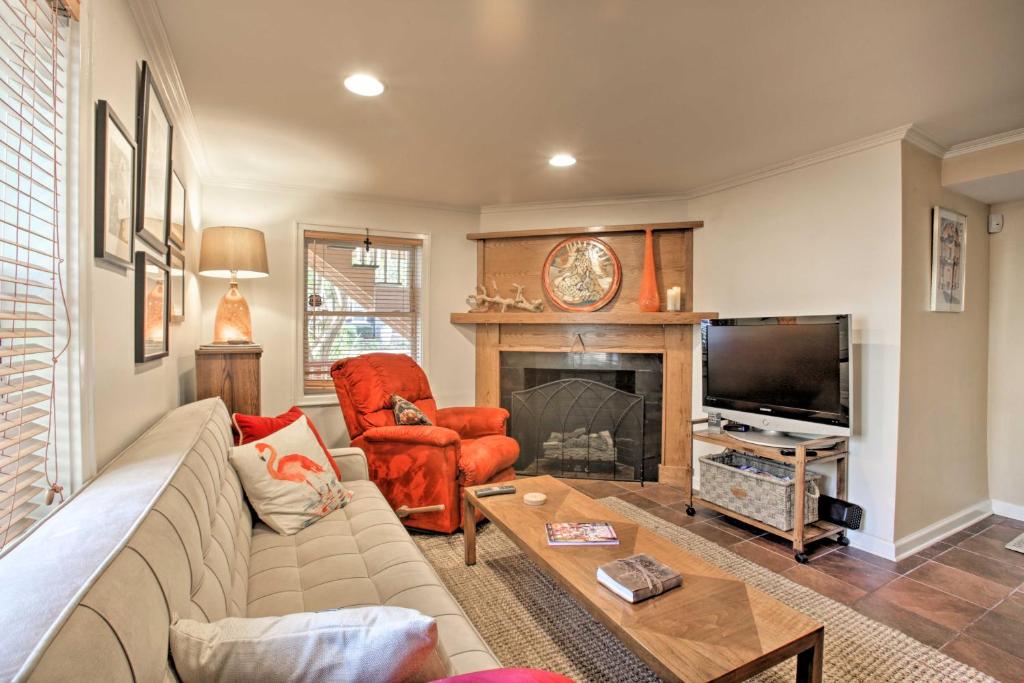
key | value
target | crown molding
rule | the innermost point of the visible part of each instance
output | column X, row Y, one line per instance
column 909, row 132
column 165, row 70
column 267, row 186
column 919, row 138
column 981, row 144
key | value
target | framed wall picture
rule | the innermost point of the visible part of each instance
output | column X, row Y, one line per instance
column 114, row 239
column 154, row 135
column 152, row 307
column 949, row 260
column 177, row 263
column 581, row 274
column 179, row 205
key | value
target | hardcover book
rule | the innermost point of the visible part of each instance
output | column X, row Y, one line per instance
column 581, row 533
column 638, row 577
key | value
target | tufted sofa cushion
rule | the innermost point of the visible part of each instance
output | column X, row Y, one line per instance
column 164, row 531
column 357, row 556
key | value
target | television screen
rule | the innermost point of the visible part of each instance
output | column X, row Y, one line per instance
column 794, row 367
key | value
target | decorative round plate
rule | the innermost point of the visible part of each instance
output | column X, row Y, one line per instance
column 581, row 274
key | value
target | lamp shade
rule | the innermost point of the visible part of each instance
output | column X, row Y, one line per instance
column 229, row 251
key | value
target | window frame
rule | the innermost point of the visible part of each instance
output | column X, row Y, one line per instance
column 298, row 357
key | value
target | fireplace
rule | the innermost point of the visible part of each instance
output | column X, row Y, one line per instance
column 585, row 415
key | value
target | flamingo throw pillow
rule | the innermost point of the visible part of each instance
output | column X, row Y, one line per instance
column 288, row 479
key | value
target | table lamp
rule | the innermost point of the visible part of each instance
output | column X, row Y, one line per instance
column 235, row 253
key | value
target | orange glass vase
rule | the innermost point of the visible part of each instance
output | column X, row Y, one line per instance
column 649, row 301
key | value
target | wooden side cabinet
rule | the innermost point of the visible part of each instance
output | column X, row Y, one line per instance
column 231, row 372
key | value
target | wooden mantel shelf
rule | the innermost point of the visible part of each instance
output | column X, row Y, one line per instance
column 551, row 318
column 594, row 230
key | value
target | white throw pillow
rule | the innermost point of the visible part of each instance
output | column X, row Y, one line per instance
column 361, row 645
column 287, row 478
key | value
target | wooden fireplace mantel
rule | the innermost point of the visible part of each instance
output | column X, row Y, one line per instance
column 517, row 257
column 624, row 318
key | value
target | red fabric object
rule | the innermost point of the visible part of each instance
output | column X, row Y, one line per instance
column 418, row 465
column 508, row 676
column 473, row 422
column 253, row 427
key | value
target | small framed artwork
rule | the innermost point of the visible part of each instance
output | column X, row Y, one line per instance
column 949, row 260
column 177, row 263
column 152, row 307
column 178, row 208
column 114, row 239
column 154, row 134
column 581, row 274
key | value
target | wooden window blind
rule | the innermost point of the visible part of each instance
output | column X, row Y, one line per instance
column 358, row 301
column 33, row 39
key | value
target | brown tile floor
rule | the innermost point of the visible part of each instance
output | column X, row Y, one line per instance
column 964, row 595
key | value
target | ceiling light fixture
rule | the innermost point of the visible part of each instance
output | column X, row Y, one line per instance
column 562, row 160
column 364, row 84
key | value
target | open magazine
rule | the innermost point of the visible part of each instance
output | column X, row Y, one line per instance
column 581, row 533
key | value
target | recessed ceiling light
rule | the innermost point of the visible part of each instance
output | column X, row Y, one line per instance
column 562, row 160
column 364, row 84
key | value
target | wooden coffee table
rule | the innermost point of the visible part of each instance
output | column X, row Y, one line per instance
column 714, row 628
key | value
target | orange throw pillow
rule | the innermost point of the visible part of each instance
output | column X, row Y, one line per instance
column 253, row 427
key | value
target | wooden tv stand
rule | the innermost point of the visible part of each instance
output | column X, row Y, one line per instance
column 802, row 534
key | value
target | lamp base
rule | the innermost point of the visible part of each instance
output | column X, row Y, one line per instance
column 233, row 324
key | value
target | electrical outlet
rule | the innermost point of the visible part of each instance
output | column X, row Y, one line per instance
column 995, row 223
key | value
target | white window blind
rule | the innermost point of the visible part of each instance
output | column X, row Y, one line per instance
column 33, row 39
column 358, row 301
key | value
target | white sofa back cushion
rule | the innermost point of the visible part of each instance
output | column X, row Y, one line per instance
column 357, row 645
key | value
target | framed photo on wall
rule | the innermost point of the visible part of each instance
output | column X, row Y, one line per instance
column 949, row 260
column 152, row 307
column 177, row 263
column 179, row 205
column 114, row 203
column 154, row 134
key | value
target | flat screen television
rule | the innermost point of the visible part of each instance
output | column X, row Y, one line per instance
column 782, row 376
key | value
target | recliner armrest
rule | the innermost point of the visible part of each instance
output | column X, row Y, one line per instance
column 473, row 422
column 351, row 462
column 423, row 435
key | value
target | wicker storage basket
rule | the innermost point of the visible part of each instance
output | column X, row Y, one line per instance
column 759, row 496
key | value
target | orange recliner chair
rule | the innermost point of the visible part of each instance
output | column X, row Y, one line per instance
column 421, row 465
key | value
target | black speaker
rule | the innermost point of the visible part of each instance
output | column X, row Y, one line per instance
column 839, row 512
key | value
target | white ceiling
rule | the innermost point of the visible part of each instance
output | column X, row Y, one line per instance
column 652, row 96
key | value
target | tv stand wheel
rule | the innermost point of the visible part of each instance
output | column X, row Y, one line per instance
column 801, row 558
column 843, row 540
column 690, row 510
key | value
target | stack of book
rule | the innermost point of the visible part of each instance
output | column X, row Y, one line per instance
column 638, row 577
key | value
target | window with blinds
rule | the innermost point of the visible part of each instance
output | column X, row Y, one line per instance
column 33, row 318
column 358, row 300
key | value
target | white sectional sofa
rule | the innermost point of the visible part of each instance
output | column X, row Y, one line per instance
column 165, row 531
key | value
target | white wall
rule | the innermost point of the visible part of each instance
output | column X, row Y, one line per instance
column 274, row 301
column 822, row 239
column 1006, row 362
column 121, row 399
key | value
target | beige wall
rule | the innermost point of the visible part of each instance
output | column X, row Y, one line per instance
column 1006, row 362
column 943, row 361
column 120, row 398
column 822, row 239
column 274, row 301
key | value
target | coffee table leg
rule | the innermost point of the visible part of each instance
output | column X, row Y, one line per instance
column 809, row 662
column 469, row 528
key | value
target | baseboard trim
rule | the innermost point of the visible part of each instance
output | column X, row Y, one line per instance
column 872, row 544
column 922, row 538
column 1011, row 510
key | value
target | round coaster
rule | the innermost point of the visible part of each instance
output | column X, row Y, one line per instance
column 534, row 498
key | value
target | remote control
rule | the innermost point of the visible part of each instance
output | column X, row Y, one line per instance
column 494, row 491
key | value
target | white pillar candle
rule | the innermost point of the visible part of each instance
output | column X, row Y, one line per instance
column 673, row 298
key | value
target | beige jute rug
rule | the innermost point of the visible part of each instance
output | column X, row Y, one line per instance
column 529, row 621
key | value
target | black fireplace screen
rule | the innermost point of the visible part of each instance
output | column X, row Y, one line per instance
column 579, row 428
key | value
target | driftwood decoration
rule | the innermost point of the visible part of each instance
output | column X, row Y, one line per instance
column 480, row 300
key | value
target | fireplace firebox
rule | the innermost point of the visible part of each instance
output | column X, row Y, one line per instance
column 584, row 415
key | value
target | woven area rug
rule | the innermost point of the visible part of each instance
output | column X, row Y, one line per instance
column 529, row 621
